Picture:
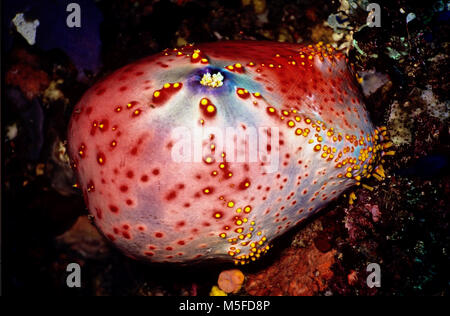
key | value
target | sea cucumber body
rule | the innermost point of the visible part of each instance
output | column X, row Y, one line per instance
column 314, row 140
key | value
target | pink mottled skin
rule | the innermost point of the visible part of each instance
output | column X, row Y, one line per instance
column 157, row 209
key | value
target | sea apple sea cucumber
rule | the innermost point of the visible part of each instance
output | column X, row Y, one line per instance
column 302, row 100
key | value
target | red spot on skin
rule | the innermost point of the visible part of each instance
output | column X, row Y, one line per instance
column 181, row 224
column 149, row 253
column 101, row 159
column 134, row 151
column 103, row 125
column 99, row 213
column 159, row 235
column 126, row 235
column 132, row 104
column 82, row 150
column 90, row 186
column 110, row 237
column 155, row 172
column 245, row 184
column 130, row 174
column 161, row 96
column 207, row 191
column 74, row 165
column 195, row 58
column 271, row 111
column 172, row 195
column 94, row 128
column 129, row 202
column 123, row 188
column 242, row 93
column 113, row 208
column 136, row 112
column 181, row 242
column 169, row 248
column 100, row 92
column 144, row 178
column 208, row 109
column 218, row 215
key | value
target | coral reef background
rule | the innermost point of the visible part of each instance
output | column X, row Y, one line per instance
column 402, row 224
